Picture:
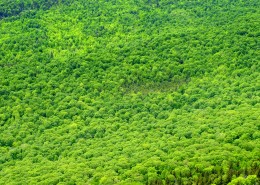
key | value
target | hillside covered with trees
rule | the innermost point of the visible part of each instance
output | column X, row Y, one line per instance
column 154, row 92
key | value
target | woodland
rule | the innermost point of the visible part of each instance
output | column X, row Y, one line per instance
column 154, row 92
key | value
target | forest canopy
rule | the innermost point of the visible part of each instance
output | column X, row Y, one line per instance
column 129, row 92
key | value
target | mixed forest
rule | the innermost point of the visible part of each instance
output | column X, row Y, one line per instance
column 156, row 92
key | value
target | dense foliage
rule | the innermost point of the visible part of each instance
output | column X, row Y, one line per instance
column 129, row 92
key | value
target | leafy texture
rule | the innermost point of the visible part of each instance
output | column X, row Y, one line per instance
column 129, row 92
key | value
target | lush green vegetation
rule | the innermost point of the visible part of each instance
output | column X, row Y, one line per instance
column 129, row 92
